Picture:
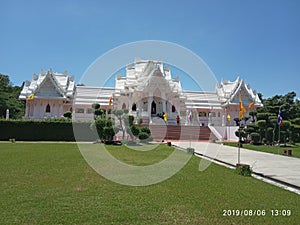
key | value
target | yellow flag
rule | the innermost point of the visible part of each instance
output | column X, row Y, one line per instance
column 165, row 116
column 110, row 101
column 228, row 117
column 242, row 108
column 250, row 105
column 30, row 97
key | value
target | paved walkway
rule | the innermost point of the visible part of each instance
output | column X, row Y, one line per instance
column 279, row 167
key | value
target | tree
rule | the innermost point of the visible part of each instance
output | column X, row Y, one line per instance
column 99, row 125
column 134, row 131
column 237, row 121
column 289, row 106
column 98, row 113
column 290, row 109
column 262, row 124
column 119, row 114
column 253, row 115
column 9, row 95
column 68, row 115
column 146, row 130
column 96, row 110
column 105, row 128
column 255, row 138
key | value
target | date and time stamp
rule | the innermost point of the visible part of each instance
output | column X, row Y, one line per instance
column 256, row 212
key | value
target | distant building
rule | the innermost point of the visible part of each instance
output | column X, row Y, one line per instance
column 147, row 91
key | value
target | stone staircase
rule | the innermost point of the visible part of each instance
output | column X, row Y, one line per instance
column 186, row 133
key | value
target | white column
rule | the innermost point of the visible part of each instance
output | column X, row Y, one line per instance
column 139, row 106
column 130, row 103
column 163, row 102
column 26, row 110
column 60, row 109
column 150, row 99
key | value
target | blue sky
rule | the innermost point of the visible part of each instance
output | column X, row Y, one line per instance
column 257, row 40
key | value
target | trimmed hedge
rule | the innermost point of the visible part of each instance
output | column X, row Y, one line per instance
column 30, row 130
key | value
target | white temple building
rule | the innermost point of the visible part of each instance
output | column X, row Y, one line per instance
column 147, row 90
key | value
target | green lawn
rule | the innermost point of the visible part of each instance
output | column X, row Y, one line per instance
column 270, row 149
column 52, row 184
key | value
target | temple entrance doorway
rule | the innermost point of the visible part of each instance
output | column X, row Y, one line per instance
column 153, row 108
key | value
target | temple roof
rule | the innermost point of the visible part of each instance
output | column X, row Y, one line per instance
column 142, row 77
column 87, row 95
column 140, row 74
column 59, row 83
column 229, row 91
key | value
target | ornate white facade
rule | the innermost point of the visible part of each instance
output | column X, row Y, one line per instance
column 147, row 90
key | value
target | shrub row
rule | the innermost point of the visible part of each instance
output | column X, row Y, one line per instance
column 23, row 130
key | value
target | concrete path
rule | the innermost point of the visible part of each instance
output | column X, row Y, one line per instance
column 278, row 167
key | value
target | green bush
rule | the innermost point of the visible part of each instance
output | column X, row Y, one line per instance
column 35, row 130
column 285, row 125
column 255, row 138
column 296, row 121
column 96, row 106
column 263, row 116
column 68, row 115
column 145, row 130
column 140, row 121
column 118, row 112
column 253, row 114
column 108, row 133
column 135, row 130
column 130, row 120
column 295, row 133
column 98, row 112
column 143, row 136
column 273, row 122
column 237, row 121
column 249, row 130
column 109, row 122
column 262, row 124
column 99, row 125
column 241, row 132
column 254, row 126
column 269, row 134
column 243, row 169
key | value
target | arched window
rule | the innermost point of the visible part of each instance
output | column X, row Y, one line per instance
column 123, row 106
column 133, row 107
column 202, row 114
column 173, row 108
column 48, row 108
column 219, row 114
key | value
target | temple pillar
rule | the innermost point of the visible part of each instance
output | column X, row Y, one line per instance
column 26, row 110
column 130, row 103
column 163, row 102
column 177, row 108
column 150, row 99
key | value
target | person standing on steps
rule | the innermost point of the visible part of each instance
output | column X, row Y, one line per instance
column 178, row 119
column 165, row 116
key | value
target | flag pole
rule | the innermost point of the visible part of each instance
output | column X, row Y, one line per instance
column 274, row 135
column 239, row 144
column 229, row 132
column 241, row 115
column 279, row 122
column 278, row 139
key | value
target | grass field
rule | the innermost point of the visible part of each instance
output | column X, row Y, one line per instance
column 51, row 183
column 270, row 149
